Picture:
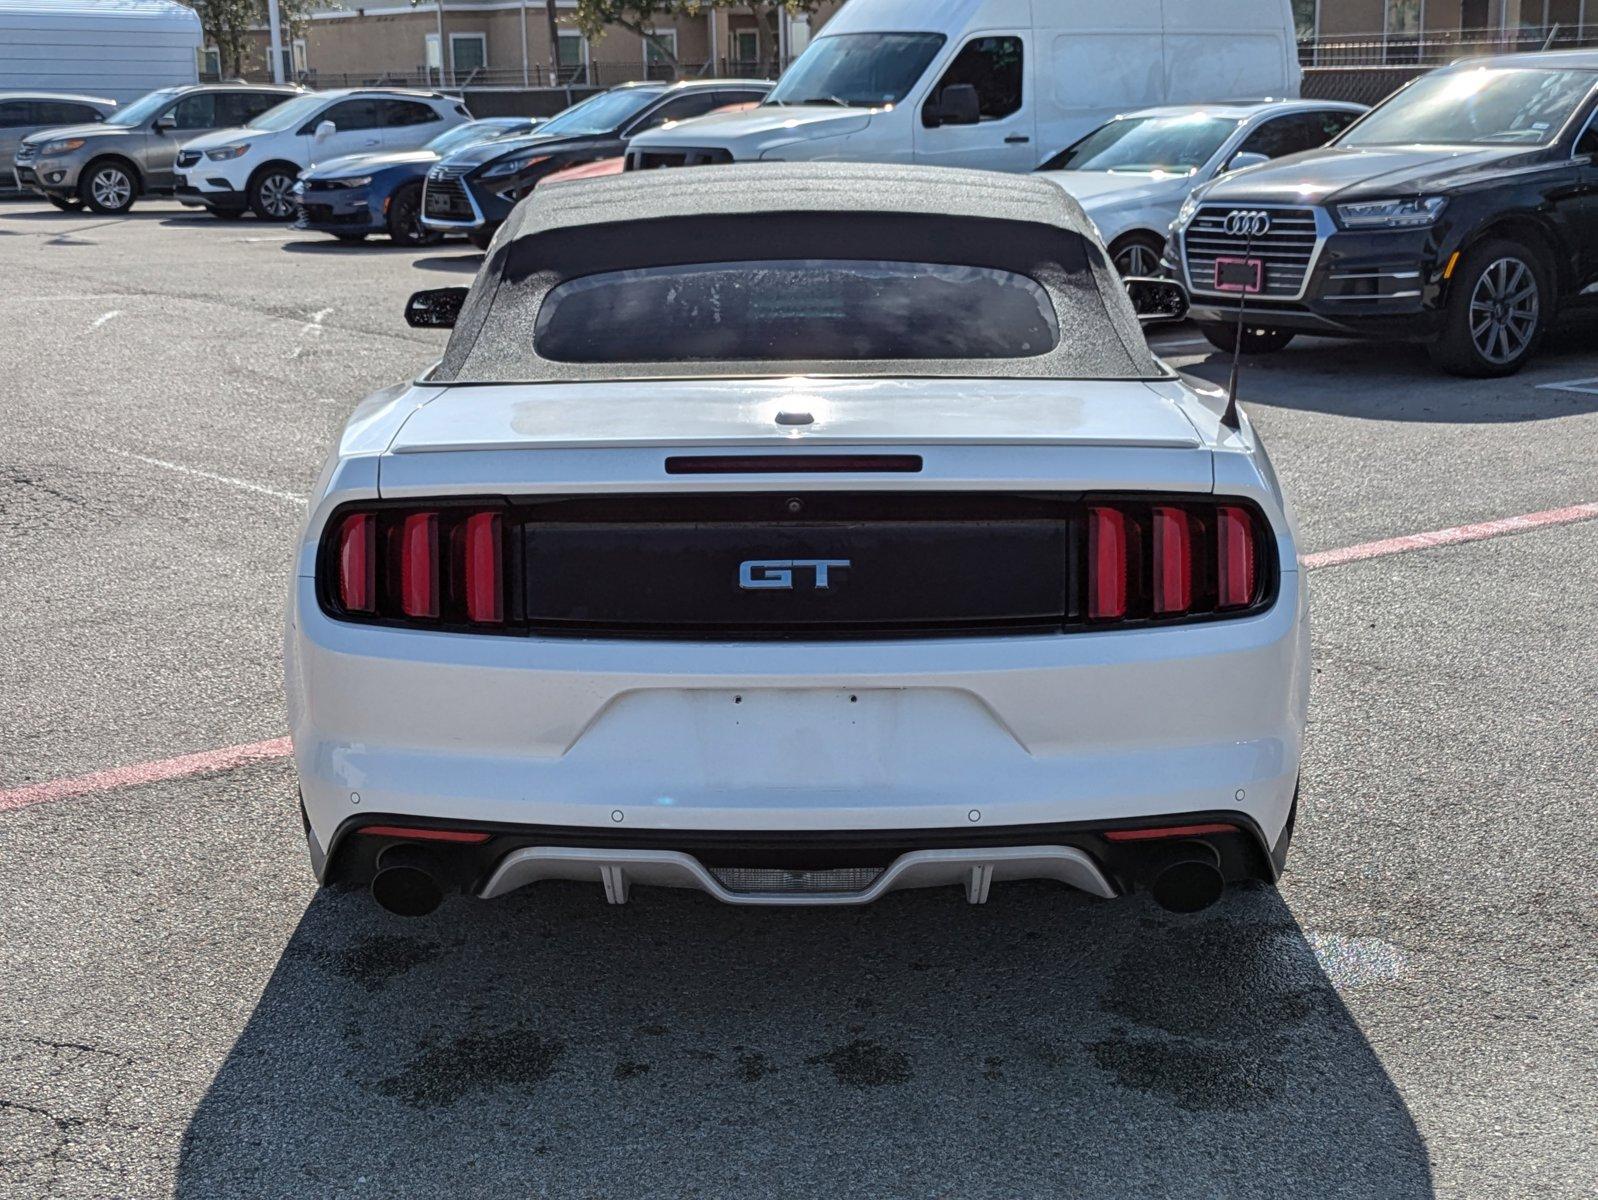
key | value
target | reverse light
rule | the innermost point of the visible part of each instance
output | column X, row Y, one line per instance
column 1392, row 214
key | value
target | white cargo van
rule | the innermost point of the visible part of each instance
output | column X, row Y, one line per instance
column 119, row 49
column 1001, row 84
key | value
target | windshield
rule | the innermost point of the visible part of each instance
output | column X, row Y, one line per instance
column 1483, row 106
column 472, row 134
column 601, row 113
column 142, row 108
column 1172, row 145
column 796, row 309
column 863, row 69
column 289, row 113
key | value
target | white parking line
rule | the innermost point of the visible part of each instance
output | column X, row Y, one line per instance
column 243, row 484
column 104, row 317
column 1586, row 387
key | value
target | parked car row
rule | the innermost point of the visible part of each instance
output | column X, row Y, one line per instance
column 1461, row 213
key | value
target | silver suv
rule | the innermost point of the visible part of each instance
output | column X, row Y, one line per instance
column 110, row 164
column 22, row 113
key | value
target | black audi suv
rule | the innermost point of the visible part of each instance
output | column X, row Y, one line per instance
column 1462, row 212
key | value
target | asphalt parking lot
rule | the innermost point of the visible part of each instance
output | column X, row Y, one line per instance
column 1411, row 1015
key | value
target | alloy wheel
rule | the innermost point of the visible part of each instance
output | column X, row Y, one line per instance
column 111, row 188
column 277, row 195
column 1137, row 260
column 1504, row 309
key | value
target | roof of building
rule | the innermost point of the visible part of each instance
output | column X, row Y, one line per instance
column 793, row 211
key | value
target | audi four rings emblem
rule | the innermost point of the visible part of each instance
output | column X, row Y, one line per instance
column 1248, row 223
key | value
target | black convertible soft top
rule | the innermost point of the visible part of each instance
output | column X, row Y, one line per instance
column 798, row 211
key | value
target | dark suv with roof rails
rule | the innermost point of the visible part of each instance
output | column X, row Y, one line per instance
column 473, row 191
column 1462, row 213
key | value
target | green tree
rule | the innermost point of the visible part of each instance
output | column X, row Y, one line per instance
column 228, row 25
column 640, row 16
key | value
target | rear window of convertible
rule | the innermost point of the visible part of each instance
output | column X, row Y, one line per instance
column 786, row 310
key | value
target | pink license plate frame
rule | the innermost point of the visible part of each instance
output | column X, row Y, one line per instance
column 1240, row 275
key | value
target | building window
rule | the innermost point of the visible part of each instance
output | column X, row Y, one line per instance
column 656, row 64
column 573, row 51
column 1401, row 26
column 468, row 52
column 434, row 58
column 1306, row 17
column 746, row 49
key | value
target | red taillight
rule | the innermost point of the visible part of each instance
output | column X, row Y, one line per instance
column 415, row 834
column 1166, row 831
column 439, row 566
column 1173, row 561
column 1106, row 563
column 1234, row 565
column 419, row 565
column 357, row 563
column 485, row 591
column 1167, row 559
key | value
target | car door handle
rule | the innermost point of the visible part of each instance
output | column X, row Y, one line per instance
column 1016, row 139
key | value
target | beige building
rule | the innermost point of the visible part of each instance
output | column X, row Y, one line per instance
column 507, row 43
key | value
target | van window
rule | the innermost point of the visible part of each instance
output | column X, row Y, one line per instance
column 862, row 69
column 992, row 65
column 795, row 310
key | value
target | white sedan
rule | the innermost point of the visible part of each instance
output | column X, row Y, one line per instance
column 1132, row 174
column 797, row 534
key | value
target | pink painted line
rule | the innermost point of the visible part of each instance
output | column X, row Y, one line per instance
column 1481, row 531
column 181, row 767
column 209, row 761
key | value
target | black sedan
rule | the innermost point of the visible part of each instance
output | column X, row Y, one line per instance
column 1462, row 213
column 473, row 192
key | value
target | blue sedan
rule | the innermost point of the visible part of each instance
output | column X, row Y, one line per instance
column 361, row 194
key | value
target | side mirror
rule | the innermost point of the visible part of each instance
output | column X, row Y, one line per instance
column 165, row 123
column 955, row 104
column 436, row 308
column 1245, row 158
column 324, row 131
column 1157, row 301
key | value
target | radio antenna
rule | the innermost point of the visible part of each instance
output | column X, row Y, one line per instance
column 1229, row 418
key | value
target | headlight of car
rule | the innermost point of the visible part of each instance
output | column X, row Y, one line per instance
column 512, row 166
column 223, row 153
column 61, row 146
column 1391, row 214
column 1185, row 213
column 349, row 181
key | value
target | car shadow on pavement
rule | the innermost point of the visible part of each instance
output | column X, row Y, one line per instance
column 1397, row 381
column 1045, row 1044
column 466, row 264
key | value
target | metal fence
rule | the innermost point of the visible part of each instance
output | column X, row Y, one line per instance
column 536, row 75
column 1434, row 48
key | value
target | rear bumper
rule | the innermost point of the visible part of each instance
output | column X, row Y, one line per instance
column 975, row 736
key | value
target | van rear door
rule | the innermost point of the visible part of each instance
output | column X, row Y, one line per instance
column 997, row 65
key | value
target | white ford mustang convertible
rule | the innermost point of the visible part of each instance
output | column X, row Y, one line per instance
column 796, row 534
